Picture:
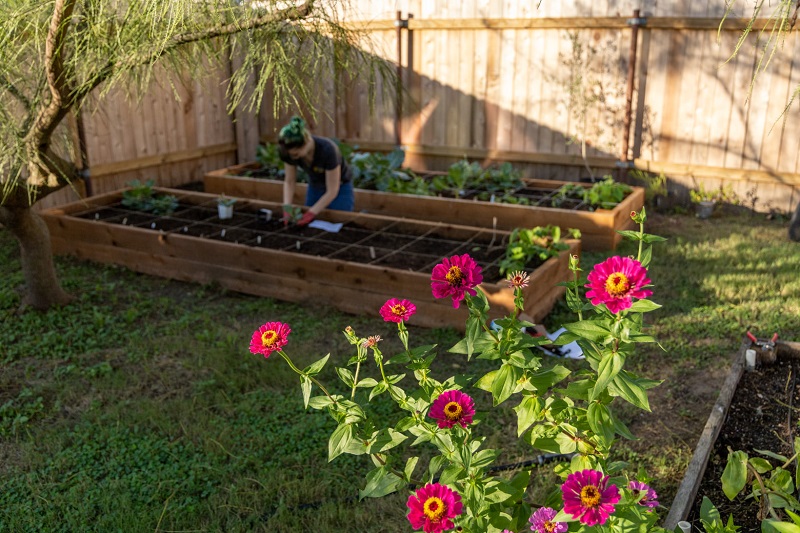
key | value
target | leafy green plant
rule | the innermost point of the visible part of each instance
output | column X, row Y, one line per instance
column 271, row 165
column 775, row 492
column 607, row 193
column 457, row 487
column 568, row 191
column 141, row 197
column 722, row 194
column 534, row 244
column 294, row 212
column 460, row 177
column 377, row 171
column 712, row 521
column 225, row 200
column 655, row 186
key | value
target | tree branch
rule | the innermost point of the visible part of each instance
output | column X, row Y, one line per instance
column 291, row 13
column 49, row 117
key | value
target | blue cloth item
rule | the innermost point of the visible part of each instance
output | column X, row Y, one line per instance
column 344, row 201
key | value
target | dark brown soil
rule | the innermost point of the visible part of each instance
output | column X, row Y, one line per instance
column 396, row 246
column 760, row 418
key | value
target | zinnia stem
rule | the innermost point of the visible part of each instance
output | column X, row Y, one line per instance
column 301, row 373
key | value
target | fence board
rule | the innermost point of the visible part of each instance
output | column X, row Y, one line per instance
column 483, row 80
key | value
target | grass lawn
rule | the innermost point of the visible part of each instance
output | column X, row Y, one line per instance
column 138, row 407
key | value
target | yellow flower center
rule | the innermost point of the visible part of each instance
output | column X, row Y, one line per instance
column 453, row 411
column 549, row 526
column 617, row 284
column 433, row 508
column 590, row 496
column 454, row 276
column 269, row 337
column 399, row 309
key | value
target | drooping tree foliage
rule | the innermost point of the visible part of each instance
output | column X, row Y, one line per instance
column 54, row 54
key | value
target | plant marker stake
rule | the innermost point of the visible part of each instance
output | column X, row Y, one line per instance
column 152, row 225
column 494, row 231
column 297, row 245
column 97, row 216
column 258, row 239
column 685, row 527
column 124, row 221
column 222, row 233
column 371, row 252
column 185, row 229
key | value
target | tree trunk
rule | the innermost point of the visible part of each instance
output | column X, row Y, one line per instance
column 794, row 225
column 36, row 255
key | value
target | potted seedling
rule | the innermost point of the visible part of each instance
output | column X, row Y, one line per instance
column 705, row 200
column 225, row 207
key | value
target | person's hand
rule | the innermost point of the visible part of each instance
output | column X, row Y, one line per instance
column 307, row 217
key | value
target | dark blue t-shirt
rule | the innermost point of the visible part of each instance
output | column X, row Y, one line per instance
column 326, row 157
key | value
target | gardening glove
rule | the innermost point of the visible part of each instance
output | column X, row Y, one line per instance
column 307, row 217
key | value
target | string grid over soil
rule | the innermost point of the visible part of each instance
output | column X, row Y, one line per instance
column 760, row 417
column 394, row 245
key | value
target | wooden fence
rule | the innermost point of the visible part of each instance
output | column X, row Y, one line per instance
column 492, row 80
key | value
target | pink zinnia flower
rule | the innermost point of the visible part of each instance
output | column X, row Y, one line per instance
column 542, row 521
column 395, row 310
column 588, row 497
column 452, row 407
column 615, row 281
column 455, row 276
column 270, row 337
column 650, row 497
column 433, row 507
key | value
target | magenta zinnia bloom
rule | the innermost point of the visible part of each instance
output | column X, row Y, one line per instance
column 270, row 337
column 542, row 521
column 395, row 310
column 455, row 276
column 452, row 407
column 433, row 507
column 650, row 497
column 615, row 281
column 588, row 497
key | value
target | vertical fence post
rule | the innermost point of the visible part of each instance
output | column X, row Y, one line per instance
column 399, row 24
column 624, row 160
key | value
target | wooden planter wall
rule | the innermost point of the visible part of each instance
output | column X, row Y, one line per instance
column 349, row 286
column 693, row 477
column 598, row 228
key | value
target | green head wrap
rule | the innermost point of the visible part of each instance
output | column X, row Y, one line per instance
column 294, row 132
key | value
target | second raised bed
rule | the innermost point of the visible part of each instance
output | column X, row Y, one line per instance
column 598, row 228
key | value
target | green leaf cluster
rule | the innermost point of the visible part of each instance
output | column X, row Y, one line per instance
column 141, row 197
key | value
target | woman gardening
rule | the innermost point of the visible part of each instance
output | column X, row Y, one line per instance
column 330, row 183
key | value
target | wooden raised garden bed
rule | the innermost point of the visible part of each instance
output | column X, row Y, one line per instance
column 598, row 228
column 756, row 410
column 373, row 258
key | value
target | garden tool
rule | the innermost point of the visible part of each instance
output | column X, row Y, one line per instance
column 766, row 348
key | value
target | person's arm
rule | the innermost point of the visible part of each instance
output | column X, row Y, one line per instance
column 289, row 181
column 333, row 179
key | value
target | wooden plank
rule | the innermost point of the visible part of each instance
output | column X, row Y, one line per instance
column 789, row 154
column 152, row 161
column 780, row 68
column 536, row 90
column 684, row 499
column 556, row 22
column 706, row 116
column 670, row 111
